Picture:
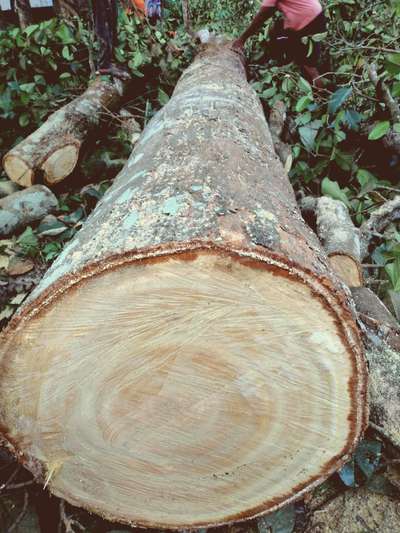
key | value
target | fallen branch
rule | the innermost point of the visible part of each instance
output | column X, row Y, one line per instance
column 378, row 221
column 382, row 89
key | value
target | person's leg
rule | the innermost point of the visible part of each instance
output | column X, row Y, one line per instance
column 309, row 58
column 102, row 30
column 277, row 44
column 105, row 14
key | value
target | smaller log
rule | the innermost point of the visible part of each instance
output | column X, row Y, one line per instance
column 54, row 148
column 339, row 237
column 21, row 208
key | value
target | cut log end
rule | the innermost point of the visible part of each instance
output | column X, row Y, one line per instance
column 347, row 269
column 60, row 164
column 18, row 171
column 183, row 392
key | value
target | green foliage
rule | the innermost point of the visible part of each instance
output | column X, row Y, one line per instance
column 379, row 130
column 363, row 465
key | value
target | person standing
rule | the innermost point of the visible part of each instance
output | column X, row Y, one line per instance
column 105, row 18
column 301, row 18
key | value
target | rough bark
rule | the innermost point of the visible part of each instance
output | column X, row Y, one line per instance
column 21, row 208
column 190, row 350
column 381, row 334
column 357, row 511
column 54, row 148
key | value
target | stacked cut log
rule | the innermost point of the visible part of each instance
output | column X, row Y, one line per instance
column 53, row 150
column 190, row 359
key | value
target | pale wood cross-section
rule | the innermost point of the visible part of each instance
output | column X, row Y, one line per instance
column 190, row 359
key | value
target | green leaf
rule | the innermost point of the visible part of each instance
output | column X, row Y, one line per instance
column 28, row 242
column 392, row 64
column 74, row 217
column 368, row 456
column 163, row 97
column 304, row 86
column 24, row 120
column 318, row 37
column 347, row 474
column 352, row 118
column 367, row 181
column 393, row 271
column 51, row 227
column 332, row 189
column 282, row 521
column 396, row 89
column 268, row 93
column 302, row 104
column 51, row 250
column 379, row 130
column 344, row 160
column 67, row 54
column 65, row 35
column 31, row 29
column 396, row 127
column 338, row 98
column 27, row 87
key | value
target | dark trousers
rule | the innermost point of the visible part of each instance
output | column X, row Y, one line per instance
column 286, row 45
column 105, row 17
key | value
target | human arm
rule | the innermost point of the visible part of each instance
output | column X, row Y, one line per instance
column 264, row 13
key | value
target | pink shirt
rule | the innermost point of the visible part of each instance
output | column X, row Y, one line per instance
column 297, row 13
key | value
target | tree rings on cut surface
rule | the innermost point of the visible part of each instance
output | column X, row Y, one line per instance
column 186, row 391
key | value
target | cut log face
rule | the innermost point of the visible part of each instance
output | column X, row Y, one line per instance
column 347, row 268
column 18, row 171
column 61, row 163
column 189, row 360
column 197, row 383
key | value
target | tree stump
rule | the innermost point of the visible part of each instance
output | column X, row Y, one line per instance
column 189, row 360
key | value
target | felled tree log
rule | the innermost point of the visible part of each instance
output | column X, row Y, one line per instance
column 19, row 209
column 189, row 359
column 54, row 148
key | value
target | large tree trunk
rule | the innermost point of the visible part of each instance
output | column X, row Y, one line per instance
column 54, row 148
column 189, row 359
